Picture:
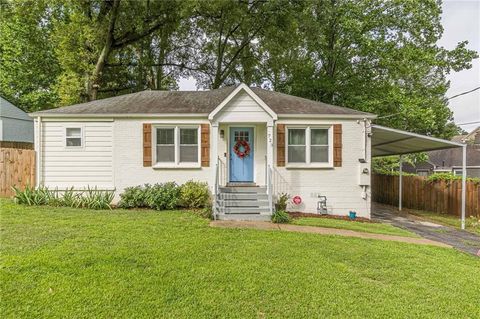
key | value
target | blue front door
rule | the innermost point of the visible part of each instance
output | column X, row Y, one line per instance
column 241, row 154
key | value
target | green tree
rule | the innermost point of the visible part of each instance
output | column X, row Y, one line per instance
column 376, row 56
column 28, row 65
column 104, row 45
column 229, row 35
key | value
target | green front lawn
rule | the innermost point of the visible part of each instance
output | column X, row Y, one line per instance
column 71, row 263
column 471, row 224
column 375, row 228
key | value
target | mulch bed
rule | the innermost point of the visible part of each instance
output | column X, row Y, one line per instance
column 358, row 219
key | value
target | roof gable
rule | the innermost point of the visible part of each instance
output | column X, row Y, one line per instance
column 9, row 110
column 242, row 88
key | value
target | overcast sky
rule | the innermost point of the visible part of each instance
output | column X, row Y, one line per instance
column 461, row 21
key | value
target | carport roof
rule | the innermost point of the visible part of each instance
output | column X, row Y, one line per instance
column 388, row 141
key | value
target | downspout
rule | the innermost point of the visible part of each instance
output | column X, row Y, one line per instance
column 400, row 184
column 464, row 181
column 39, row 151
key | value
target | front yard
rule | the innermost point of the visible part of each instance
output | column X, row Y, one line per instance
column 373, row 228
column 64, row 262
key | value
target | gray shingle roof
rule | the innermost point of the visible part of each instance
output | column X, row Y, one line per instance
column 199, row 102
column 453, row 157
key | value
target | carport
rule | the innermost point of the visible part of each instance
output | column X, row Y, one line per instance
column 388, row 141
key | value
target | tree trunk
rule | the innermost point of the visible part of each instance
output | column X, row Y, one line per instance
column 94, row 82
column 161, row 60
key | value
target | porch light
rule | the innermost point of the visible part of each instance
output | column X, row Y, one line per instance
column 222, row 134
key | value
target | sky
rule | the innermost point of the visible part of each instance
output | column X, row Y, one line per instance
column 461, row 21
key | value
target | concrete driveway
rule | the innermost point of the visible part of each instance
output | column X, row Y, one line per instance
column 461, row 240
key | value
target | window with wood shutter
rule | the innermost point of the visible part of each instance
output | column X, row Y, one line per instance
column 337, row 145
column 309, row 146
column 147, row 144
column 176, row 146
column 280, row 145
column 205, row 149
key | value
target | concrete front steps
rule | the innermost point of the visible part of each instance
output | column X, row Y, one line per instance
column 243, row 203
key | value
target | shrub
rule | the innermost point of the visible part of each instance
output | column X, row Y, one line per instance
column 32, row 196
column 162, row 196
column 281, row 204
column 450, row 177
column 96, row 199
column 92, row 198
column 134, row 197
column 71, row 198
column 280, row 217
column 206, row 212
column 194, row 195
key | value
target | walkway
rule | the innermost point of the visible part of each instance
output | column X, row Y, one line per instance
column 459, row 239
column 322, row 231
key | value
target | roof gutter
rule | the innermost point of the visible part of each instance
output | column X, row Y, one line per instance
column 328, row 116
column 193, row 115
column 434, row 139
column 119, row 115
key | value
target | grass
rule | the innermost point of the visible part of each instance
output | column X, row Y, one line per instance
column 72, row 263
column 375, row 228
column 471, row 224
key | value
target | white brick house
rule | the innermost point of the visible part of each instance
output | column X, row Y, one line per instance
column 293, row 145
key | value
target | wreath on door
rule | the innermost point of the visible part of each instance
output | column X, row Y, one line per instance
column 237, row 148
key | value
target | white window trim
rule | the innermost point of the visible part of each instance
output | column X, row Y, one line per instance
column 176, row 139
column 82, row 137
column 308, row 143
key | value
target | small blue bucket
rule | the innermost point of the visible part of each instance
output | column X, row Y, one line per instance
column 352, row 215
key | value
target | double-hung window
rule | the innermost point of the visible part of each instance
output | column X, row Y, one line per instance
column 309, row 146
column 73, row 137
column 177, row 146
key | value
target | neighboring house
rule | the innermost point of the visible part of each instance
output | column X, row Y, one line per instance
column 15, row 125
column 450, row 160
column 239, row 136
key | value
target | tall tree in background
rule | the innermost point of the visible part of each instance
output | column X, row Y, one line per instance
column 376, row 56
column 117, row 33
column 28, row 64
column 372, row 55
column 229, row 37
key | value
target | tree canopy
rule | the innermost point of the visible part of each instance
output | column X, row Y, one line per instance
column 371, row 55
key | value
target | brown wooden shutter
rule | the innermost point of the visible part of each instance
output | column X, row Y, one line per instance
column 147, row 144
column 337, row 145
column 205, row 147
column 281, row 145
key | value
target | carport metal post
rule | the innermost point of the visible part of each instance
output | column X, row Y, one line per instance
column 464, row 181
column 400, row 184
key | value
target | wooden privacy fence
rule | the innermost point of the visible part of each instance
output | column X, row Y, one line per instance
column 17, row 168
column 434, row 196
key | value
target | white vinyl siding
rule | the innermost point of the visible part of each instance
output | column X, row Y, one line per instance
column 80, row 167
